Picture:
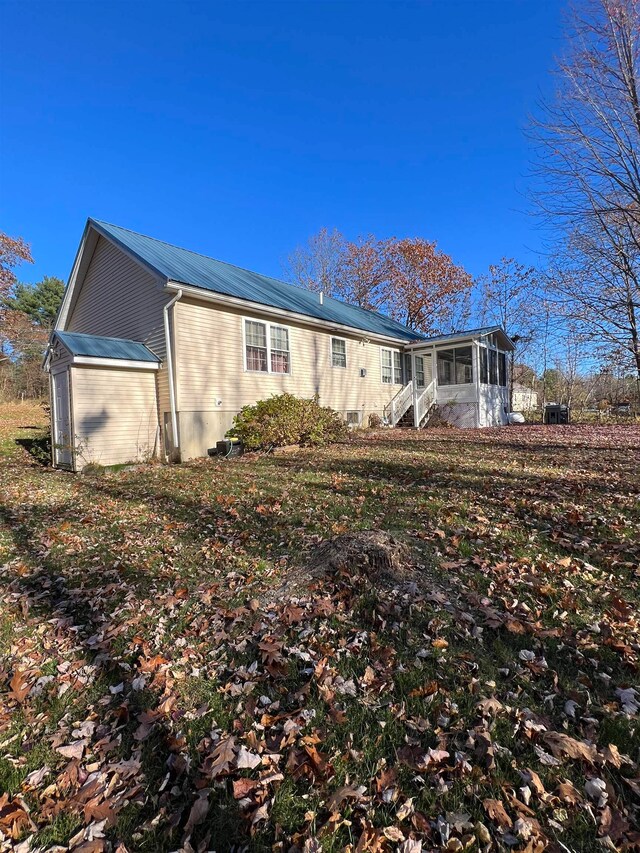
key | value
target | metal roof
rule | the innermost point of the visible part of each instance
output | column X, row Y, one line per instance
column 99, row 347
column 471, row 333
column 190, row 268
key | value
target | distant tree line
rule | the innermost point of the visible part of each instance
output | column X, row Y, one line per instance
column 27, row 315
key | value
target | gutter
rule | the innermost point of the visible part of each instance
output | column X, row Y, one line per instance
column 172, row 389
column 203, row 295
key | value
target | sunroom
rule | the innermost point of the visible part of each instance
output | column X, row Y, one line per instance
column 463, row 376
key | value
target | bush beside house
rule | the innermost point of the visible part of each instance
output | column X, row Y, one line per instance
column 285, row 419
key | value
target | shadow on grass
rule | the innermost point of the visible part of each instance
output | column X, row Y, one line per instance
column 39, row 447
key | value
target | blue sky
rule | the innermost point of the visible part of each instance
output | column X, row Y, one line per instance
column 238, row 129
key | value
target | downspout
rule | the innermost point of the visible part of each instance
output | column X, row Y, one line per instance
column 172, row 389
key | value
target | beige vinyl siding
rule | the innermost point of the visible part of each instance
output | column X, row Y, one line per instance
column 119, row 298
column 213, row 384
column 115, row 416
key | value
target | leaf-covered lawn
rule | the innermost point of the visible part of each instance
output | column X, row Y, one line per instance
column 165, row 689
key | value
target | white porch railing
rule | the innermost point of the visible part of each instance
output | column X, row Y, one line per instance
column 424, row 400
column 400, row 404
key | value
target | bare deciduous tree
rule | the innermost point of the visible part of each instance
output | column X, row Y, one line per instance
column 510, row 298
column 588, row 142
column 314, row 266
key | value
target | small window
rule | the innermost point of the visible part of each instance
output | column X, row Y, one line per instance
column 502, row 369
column 420, row 371
column 484, row 366
column 256, row 341
column 338, row 352
column 493, row 367
column 353, row 418
column 455, row 366
column 279, row 349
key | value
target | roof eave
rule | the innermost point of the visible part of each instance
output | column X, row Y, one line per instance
column 236, row 302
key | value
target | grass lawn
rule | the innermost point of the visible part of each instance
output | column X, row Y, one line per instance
column 162, row 690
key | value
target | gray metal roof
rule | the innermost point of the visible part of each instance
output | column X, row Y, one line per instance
column 472, row 333
column 190, row 268
column 99, row 347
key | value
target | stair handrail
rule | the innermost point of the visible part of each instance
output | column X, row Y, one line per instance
column 424, row 401
column 399, row 404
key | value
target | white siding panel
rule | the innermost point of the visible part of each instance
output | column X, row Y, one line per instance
column 115, row 416
column 212, row 380
column 119, row 298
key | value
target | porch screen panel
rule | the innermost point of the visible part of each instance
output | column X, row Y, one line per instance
column 502, row 369
column 493, row 366
column 445, row 367
column 484, row 366
column 464, row 366
column 420, row 371
column 455, row 366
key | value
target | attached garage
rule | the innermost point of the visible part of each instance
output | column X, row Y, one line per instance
column 104, row 401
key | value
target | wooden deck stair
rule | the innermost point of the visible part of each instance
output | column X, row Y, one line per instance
column 406, row 421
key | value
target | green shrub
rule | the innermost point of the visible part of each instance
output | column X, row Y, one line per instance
column 285, row 419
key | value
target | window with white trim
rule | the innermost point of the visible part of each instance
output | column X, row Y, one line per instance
column 266, row 347
column 391, row 366
column 338, row 352
column 280, row 357
column 255, row 335
column 420, row 371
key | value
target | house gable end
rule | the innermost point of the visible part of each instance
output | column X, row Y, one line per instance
column 112, row 294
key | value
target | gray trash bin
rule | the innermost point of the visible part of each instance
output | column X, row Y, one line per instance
column 556, row 413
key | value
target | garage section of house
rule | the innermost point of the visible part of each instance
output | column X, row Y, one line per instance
column 104, row 401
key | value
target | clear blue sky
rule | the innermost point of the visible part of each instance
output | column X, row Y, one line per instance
column 239, row 129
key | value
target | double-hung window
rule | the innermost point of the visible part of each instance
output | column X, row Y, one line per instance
column 391, row 366
column 280, row 360
column 455, row 366
column 338, row 352
column 267, row 347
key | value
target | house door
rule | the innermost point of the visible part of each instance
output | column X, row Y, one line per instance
column 62, row 451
